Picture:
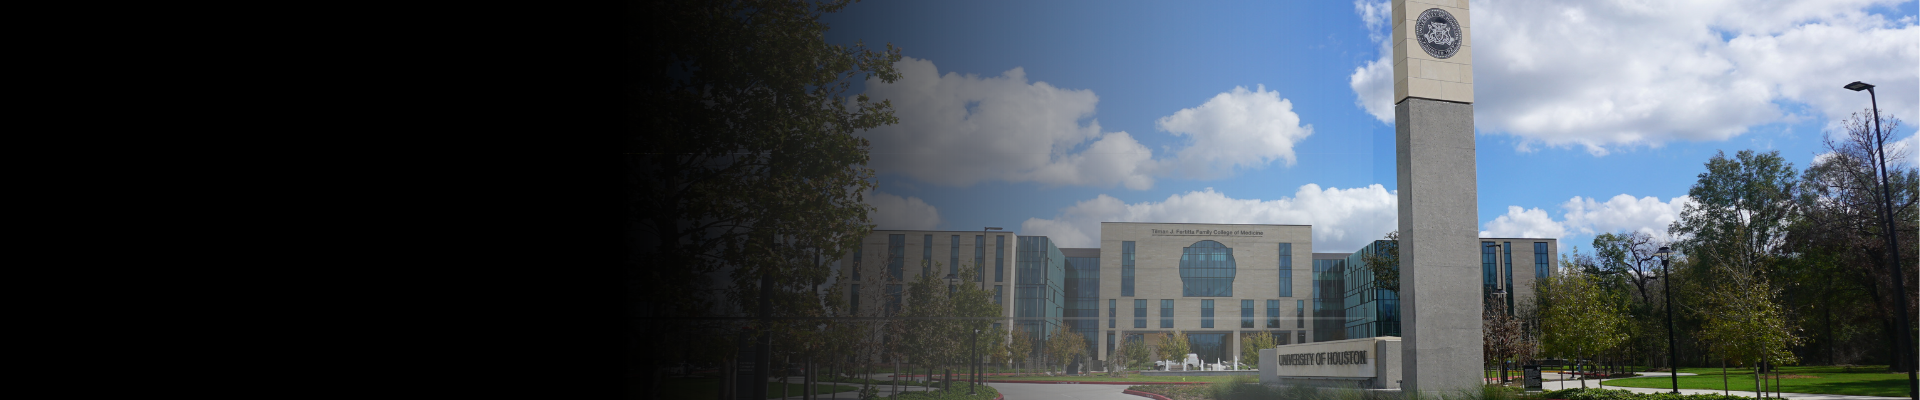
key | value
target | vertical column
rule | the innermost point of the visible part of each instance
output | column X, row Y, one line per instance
column 1433, row 94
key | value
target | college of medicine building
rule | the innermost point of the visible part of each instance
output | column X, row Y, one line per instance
column 1214, row 282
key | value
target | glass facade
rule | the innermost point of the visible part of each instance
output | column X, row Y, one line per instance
column 1039, row 285
column 857, row 252
column 1300, row 314
column 999, row 292
column 1140, row 313
column 1210, row 347
column 1371, row 311
column 953, row 255
column 1329, row 299
column 1206, row 313
column 1506, row 270
column 1000, row 257
column 1489, row 267
column 1166, row 314
column 1207, row 270
column 926, row 254
column 1286, row 270
column 1246, row 314
column 979, row 257
column 853, row 299
column 896, row 257
column 1113, row 312
column 1083, row 298
column 1126, row 269
column 893, row 300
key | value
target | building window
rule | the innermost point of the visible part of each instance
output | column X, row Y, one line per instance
column 1286, row 270
column 1246, row 314
column 1206, row 313
column 1109, row 345
column 1273, row 314
column 953, row 255
column 1489, row 267
column 1301, row 338
column 926, row 255
column 998, row 292
column 856, row 262
column 1206, row 270
column 893, row 300
column 1166, row 314
column 999, row 257
column 1282, row 338
column 1126, row 269
column 979, row 257
column 853, row 301
column 896, row 257
column 1209, row 346
column 1300, row 314
column 1540, row 260
column 1507, row 272
column 1113, row 312
column 1140, row 313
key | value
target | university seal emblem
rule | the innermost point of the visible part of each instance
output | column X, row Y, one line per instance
column 1438, row 33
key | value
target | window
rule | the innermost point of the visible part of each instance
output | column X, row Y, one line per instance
column 1113, row 312
column 1489, row 267
column 896, row 256
column 1246, row 314
column 1140, row 313
column 953, row 255
column 1166, row 314
column 1300, row 314
column 1206, row 313
column 1209, row 346
column 926, row 255
column 853, row 301
column 999, row 257
column 1273, row 314
column 1206, row 270
column 998, row 292
column 856, row 262
column 1507, row 272
column 893, row 300
column 1286, row 270
column 1282, row 337
column 1126, row 269
column 979, row 257
column 1301, row 338
column 1540, row 260
column 1109, row 345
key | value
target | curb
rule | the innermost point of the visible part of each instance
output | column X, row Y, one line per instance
column 1145, row 394
column 1097, row 383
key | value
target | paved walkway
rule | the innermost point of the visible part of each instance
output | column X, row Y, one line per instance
column 1595, row 383
column 1024, row 391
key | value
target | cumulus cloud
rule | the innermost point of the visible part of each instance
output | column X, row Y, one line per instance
column 904, row 213
column 1527, row 223
column 1649, row 215
column 1610, row 74
column 1373, row 83
column 1239, row 128
column 958, row 130
column 1342, row 219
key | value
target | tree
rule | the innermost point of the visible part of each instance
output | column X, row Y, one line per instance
column 1173, row 347
column 1251, row 344
column 1504, row 335
column 1020, row 345
column 1384, row 262
column 1628, row 263
column 1853, row 194
column 1063, row 346
column 1577, row 317
column 741, row 160
column 1735, row 239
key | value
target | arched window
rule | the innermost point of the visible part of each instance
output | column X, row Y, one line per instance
column 1206, row 270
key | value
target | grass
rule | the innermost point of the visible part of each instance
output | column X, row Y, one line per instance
column 1856, row 381
column 959, row 392
column 1101, row 377
column 707, row 388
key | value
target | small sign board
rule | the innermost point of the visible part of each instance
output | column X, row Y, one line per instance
column 1532, row 377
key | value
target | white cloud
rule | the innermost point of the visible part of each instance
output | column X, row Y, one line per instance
column 1239, row 128
column 1589, row 216
column 905, row 213
column 1342, row 219
column 1610, row 74
column 1528, row 223
column 958, row 130
column 1373, row 83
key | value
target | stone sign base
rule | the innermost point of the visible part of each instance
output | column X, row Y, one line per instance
column 1370, row 363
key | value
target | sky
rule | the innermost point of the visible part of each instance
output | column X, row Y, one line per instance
column 1048, row 118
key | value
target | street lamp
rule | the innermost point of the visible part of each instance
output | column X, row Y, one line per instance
column 974, row 361
column 1673, row 350
column 1893, row 248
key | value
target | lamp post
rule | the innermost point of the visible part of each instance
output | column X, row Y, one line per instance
column 973, row 362
column 1673, row 350
column 1893, row 248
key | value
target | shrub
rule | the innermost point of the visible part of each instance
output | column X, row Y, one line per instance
column 1617, row 394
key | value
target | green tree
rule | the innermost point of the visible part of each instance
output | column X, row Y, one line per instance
column 1064, row 346
column 1173, row 347
column 1250, row 346
column 1020, row 346
column 1384, row 262
column 1736, row 237
column 1847, row 208
column 1578, row 318
column 740, row 160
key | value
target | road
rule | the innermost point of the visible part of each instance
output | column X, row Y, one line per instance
column 1026, row 391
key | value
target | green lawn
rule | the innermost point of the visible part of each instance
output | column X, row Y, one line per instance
column 707, row 388
column 1858, row 381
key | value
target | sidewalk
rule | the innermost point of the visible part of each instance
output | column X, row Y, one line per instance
column 1595, row 384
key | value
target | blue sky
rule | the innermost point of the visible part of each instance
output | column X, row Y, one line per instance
column 1049, row 118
